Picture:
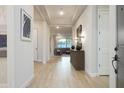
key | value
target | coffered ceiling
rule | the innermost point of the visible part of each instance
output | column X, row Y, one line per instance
column 51, row 13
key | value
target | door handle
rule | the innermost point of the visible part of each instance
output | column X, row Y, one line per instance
column 115, row 59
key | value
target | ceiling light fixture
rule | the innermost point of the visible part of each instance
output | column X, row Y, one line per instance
column 61, row 12
column 57, row 27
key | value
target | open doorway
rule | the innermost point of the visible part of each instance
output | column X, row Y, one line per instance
column 63, row 44
column 103, row 39
column 3, row 46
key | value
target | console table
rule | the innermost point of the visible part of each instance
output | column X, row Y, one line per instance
column 77, row 59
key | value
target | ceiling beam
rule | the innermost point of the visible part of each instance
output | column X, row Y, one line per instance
column 41, row 15
column 43, row 12
column 46, row 16
column 79, row 11
column 75, row 13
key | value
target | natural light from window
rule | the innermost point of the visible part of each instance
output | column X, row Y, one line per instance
column 64, row 43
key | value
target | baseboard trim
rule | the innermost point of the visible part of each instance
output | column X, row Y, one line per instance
column 3, row 85
column 93, row 74
column 28, row 82
column 40, row 61
column 37, row 61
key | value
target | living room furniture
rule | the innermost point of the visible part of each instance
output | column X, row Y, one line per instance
column 60, row 51
column 77, row 59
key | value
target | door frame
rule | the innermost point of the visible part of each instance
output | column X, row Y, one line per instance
column 35, row 29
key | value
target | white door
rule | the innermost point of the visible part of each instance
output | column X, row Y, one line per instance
column 103, row 43
column 35, row 44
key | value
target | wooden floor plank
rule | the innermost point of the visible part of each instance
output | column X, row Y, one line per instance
column 59, row 73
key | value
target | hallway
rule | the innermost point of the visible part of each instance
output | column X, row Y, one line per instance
column 58, row 73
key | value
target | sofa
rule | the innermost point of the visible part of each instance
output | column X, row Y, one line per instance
column 61, row 51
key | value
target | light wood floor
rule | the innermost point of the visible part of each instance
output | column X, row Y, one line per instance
column 3, row 70
column 59, row 73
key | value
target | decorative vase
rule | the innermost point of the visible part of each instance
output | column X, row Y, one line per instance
column 73, row 47
column 78, row 48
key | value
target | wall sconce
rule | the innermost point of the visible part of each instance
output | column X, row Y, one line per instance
column 83, row 37
column 76, row 39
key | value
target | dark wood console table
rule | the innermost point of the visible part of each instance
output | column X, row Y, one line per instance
column 77, row 59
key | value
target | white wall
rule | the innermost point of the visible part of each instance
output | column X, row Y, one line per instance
column 43, row 40
column 46, row 41
column 3, row 21
column 112, row 79
column 52, row 45
column 43, row 37
column 38, row 27
column 20, row 53
column 88, row 21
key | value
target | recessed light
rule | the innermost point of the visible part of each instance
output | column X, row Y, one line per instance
column 61, row 12
column 57, row 27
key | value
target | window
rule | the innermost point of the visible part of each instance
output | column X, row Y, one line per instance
column 68, row 43
column 64, row 43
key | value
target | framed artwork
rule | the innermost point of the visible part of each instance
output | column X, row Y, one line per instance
column 3, row 41
column 79, row 31
column 26, row 32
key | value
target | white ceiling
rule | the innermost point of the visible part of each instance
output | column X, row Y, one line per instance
column 56, row 18
column 50, row 13
column 37, row 16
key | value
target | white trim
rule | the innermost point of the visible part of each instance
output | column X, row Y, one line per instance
column 28, row 82
column 10, row 47
column 3, row 85
column 38, row 61
column 93, row 74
